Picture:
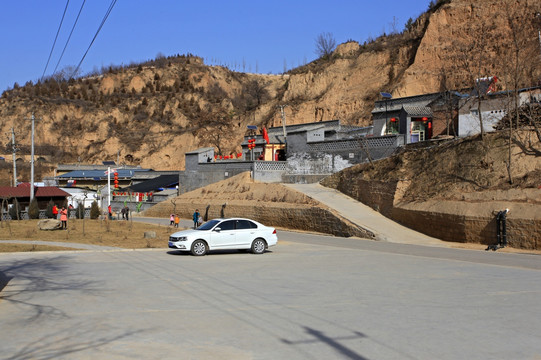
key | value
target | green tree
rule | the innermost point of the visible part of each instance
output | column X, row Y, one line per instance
column 94, row 210
column 49, row 210
column 33, row 209
column 80, row 211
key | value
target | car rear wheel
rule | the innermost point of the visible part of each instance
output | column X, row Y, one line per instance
column 199, row 248
column 258, row 246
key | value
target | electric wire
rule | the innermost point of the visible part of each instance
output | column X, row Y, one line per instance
column 69, row 37
column 113, row 2
column 56, row 37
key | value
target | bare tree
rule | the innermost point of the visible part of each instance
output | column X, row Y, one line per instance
column 66, row 73
column 325, row 44
column 520, row 62
column 217, row 129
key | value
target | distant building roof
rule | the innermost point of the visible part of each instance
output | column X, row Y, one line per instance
column 70, row 167
column 99, row 174
column 305, row 127
column 200, row 150
column 396, row 104
column 412, row 110
column 160, row 182
column 23, row 190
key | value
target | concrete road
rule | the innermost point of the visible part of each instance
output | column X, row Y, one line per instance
column 311, row 297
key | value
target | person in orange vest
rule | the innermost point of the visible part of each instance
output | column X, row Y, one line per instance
column 64, row 218
column 55, row 212
column 177, row 220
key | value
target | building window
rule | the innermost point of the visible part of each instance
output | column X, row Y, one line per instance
column 392, row 126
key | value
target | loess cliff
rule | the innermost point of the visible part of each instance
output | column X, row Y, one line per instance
column 150, row 114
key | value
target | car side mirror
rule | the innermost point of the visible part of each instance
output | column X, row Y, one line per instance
column 217, row 229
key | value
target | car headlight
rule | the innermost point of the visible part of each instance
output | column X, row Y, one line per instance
column 180, row 238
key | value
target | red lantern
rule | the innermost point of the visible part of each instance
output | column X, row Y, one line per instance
column 116, row 180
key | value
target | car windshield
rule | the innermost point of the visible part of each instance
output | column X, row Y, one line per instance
column 208, row 225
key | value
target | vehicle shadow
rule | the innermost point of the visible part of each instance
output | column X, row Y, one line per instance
column 215, row 252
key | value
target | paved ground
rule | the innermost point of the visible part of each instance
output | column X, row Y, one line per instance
column 312, row 297
column 62, row 244
column 360, row 214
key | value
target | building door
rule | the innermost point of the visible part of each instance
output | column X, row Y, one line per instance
column 421, row 129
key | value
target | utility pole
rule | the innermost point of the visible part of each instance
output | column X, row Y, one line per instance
column 282, row 112
column 14, row 149
column 32, row 160
column 32, row 163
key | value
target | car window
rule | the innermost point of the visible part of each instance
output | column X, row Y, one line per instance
column 245, row 224
column 227, row 225
column 208, row 225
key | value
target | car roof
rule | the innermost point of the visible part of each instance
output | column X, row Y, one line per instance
column 233, row 218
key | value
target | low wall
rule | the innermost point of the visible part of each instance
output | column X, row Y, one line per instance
column 379, row 195
column 457, row 221
column 468, row 222
column 280, row 215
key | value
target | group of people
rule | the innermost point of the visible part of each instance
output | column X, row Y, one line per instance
column 174, row 219
column 125, row 213
column 63, row 213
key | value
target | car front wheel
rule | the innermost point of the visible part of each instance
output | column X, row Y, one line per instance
column 199, row 248
column 258, row 246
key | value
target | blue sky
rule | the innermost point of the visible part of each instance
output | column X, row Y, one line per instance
column 265, row 36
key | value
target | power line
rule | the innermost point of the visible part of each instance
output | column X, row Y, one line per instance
column 69, row 37
column 56, row 37
column 113, row 2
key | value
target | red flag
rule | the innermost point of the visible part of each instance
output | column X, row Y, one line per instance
column 266, row 136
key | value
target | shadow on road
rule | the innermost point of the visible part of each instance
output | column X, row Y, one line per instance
column 74, row 339
column 35, row 276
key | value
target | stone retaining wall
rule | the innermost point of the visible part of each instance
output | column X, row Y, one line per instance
column 457, row 221
column 272, row 214
column 472, row 222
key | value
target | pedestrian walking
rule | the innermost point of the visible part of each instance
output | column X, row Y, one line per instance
column 127, row 211
column 196, row 218
column 172, row 220
column 177, row 220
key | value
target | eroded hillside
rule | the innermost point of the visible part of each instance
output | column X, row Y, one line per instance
column 151, row 114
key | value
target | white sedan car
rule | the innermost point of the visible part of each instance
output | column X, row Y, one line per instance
column 220, row 234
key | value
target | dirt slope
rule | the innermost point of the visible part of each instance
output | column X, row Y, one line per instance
column 452, row 191
column 272, row 204
column 152, row 113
